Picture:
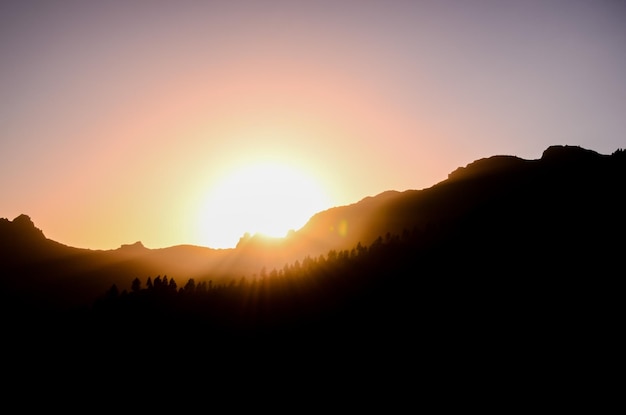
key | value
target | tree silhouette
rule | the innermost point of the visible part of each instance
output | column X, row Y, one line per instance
column 136, row 285
column 113, row 292
column 172, row 285
column 190, row 286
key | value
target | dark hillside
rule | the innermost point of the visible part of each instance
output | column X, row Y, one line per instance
column 505, row 257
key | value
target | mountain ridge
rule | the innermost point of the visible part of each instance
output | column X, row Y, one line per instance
column 568, row 190
column 487, row 165
column 507, row 266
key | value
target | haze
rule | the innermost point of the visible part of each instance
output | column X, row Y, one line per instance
column 119, row 119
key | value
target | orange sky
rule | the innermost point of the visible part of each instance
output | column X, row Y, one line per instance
column 119, row 120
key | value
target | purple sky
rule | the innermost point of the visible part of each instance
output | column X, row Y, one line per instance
column 117, row 117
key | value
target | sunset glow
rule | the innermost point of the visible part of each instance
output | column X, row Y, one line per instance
column 266, row 198
column 149, row 121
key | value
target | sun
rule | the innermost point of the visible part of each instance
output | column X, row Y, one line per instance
column 269, row 198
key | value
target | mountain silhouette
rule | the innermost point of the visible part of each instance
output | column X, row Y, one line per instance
column 559, row 213
column 509, row 268
column 570, row 187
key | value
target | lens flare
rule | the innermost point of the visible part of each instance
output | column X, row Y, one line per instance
column 266, row 198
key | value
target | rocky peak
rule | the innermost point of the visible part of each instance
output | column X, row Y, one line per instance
column 487, row 166
column 136, row 247
column 566, row 153
column 21, row 227
column 23, row 221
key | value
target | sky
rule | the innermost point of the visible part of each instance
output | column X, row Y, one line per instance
column 164, row 121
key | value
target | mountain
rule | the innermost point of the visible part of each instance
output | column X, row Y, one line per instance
column 509, row 270
column 568, row 190
column 560, row 213
column 57, row 275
